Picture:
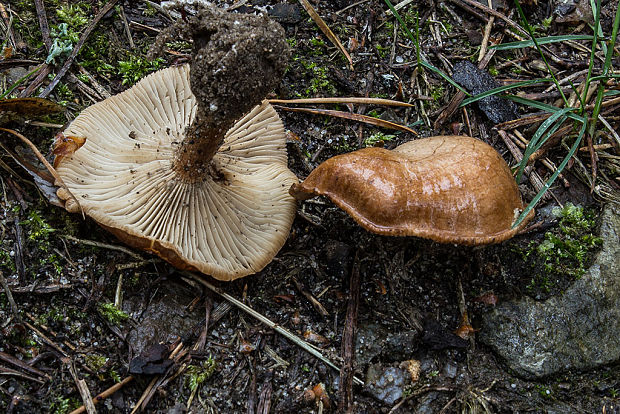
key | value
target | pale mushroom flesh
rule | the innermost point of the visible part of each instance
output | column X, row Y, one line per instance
column 227, row 225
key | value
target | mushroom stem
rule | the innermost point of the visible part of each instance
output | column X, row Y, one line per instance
column 196, row 151
column 236, row 60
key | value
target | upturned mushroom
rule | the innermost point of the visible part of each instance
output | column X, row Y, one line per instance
column 188, row 163
column 451, row 189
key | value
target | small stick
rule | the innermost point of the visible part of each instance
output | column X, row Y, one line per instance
column 9, row 296
column 105, row 394
column 45, row 29
column 288, row 335
column 21, row 364
column 76, row 48
column 83, row 389
column 348, row 341
column 497, row 14
column 308, row 295
column 57, row 180
column 487, row 33
column 104, row 246
column 342, row 100
column 326, row 30
column 127, row 30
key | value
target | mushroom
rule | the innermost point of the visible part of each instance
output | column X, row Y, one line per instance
column 167, row 166
column 451, row 189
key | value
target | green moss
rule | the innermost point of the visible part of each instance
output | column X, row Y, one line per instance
column 135, row 68
column 377, row 137
column 196, row 375
column 95, row 54
column 63, row 405
column 74, row 15
column 37, row 228
column 319, row 80
column 96, row 362
column 564, row 252
column 112, row 313
column 382, row 50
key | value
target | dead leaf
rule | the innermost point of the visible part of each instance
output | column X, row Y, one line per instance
column 465, row 330
column 65, row 146
column 20, row 108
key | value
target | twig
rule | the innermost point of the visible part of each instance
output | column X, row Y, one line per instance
column 77, row 48
column 352, row 116
column 22, row 365
column 82, row 388
column 350, row 6
column 487, row 33
column 308, row 295
column 46, row 340
column 105, row 394
column 45, row 29
column 9, row 296
column 326, row 30
column 104, row 246
column 495, row 13
column 127, row 30
column 348, row 341
column 155, row 382
column 57, row 179
column 343, row 100
column 291, row 337
column 12, row 372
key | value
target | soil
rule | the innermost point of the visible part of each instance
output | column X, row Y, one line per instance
column 65, row 271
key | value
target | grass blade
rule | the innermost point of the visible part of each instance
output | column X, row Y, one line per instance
column 553, row 177
column 501, row 89
column 541, row 41
column 534, row 145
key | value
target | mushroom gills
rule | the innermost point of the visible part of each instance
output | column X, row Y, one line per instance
column 450, row 189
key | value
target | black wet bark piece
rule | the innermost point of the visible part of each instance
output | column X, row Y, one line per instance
column 477, row 81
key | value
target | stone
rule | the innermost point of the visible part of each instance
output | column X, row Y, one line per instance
column 578, row 329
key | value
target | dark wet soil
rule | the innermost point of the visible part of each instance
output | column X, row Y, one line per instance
column 412, row 292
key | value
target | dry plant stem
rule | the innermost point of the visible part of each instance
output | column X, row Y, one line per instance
column 487, row 33
column 348, row 340
column 326, row 30
column 105, row 246
column 22, row 365
column 83, row 389
column 105, row 394
column 342, row 100
column 535, row 179
column 497, row 14
column 45, row 30
column 104, row 10
column 57, row 180
column 297, row 341
column 9, row 296
column 148, row 392
column 352, row 116
column 308, row 295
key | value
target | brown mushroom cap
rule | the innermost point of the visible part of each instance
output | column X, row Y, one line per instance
column 451, row 189
column 227, row 225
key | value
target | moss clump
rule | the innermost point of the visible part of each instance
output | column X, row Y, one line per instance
column 112, row 313
column 196, row 375
column 135, row 68
column 564, row 252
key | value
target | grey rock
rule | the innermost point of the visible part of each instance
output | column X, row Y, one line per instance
column 576, row 330
column 374, row 340
column 387, row 384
